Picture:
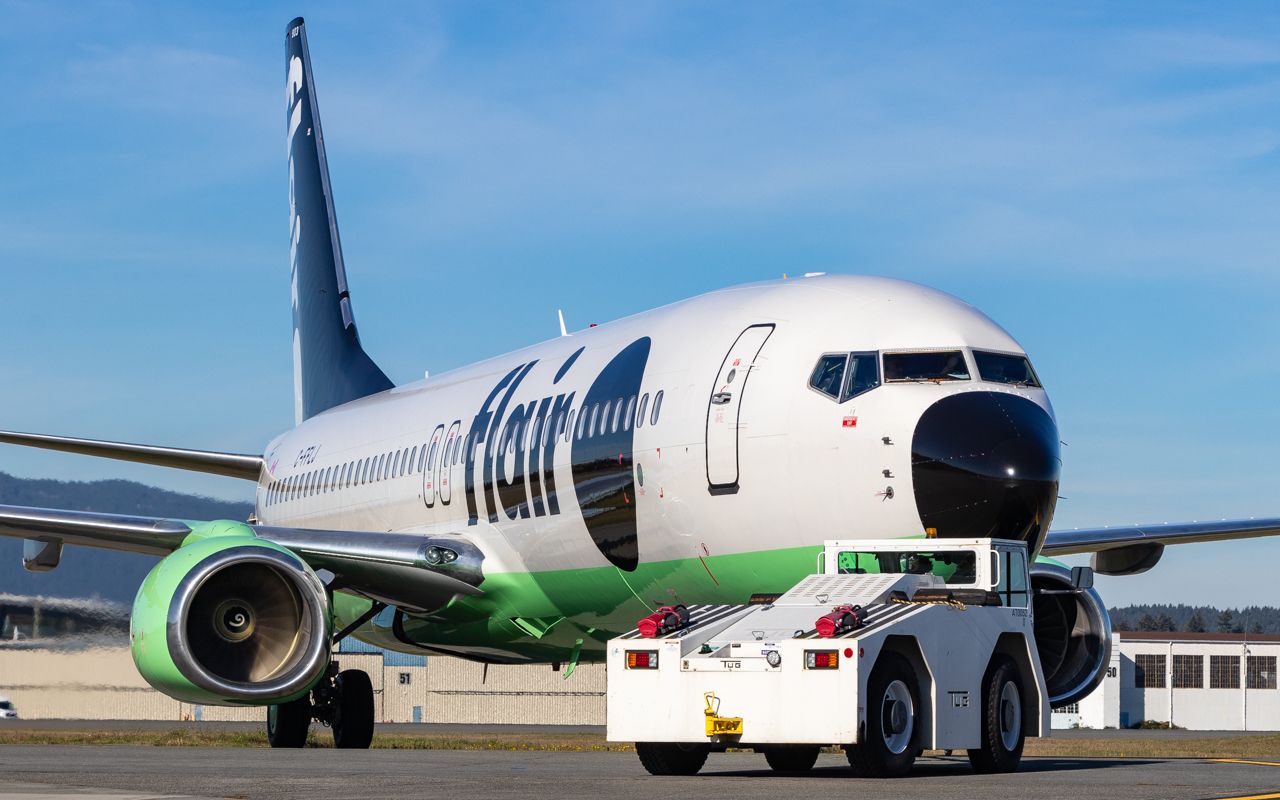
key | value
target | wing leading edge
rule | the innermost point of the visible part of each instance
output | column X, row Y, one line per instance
column 231, row 465
column 1134, row 549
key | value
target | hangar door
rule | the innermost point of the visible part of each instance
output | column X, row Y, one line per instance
column 724, row 409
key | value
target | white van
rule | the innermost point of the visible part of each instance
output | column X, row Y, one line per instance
column 7, row 709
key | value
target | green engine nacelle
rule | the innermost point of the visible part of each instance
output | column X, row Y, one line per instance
column 231, row 619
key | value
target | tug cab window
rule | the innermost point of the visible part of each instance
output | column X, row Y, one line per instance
column 1011, row 578
column 1005, row 368
column 954, row 567
column 935, row 367
column 842, row 376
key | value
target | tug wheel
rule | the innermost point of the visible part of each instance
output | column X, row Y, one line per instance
column 661, row 758
column 888, row 749
column 791, row 759
column 1003, row 731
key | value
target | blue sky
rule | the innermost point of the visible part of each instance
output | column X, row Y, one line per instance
column 1102, row 179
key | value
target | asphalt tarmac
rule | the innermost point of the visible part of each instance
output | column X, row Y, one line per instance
column 150, row 773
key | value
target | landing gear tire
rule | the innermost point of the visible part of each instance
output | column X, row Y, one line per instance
column 353, row 716
column 791, row 759
column 288, row 723
column 672, row 759
column 1003, row 731
column 889, row 748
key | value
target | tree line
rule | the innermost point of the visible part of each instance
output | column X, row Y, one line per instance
column 1196, row 619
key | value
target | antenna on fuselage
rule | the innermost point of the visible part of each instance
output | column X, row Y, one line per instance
column 563, row 330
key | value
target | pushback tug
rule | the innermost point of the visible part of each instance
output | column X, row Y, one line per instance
column 894, row 647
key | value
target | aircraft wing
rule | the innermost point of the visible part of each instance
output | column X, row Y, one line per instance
column 1134, row 549
column 231, row 465
column 393, row 568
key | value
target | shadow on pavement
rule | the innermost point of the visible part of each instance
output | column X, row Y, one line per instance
column 945, row 767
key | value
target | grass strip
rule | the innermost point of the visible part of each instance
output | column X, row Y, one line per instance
column 1136, row 746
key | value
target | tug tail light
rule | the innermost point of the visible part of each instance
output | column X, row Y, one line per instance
column 821, row 659
column 642, row 659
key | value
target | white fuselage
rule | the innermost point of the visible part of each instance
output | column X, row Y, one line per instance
column 808, row 467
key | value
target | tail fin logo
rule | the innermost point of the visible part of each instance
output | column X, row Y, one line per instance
column 293, row 106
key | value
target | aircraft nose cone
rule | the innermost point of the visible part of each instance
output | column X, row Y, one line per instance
column 986, row 464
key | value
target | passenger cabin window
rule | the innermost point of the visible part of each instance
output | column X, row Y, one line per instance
column 936, row 367
column 1005, row 368
column 954, row 567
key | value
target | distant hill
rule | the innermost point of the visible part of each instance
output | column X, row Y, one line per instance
column 1202, row 619
column 86, row 572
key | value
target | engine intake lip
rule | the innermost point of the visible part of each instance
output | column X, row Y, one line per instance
column 1080, row 682
column 301, row 669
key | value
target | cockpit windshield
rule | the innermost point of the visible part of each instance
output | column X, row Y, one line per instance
column 1005, row 368
column 842, row 376
column 957, row 567
column 942, row 365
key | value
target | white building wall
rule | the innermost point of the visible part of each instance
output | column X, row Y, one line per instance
column 1101, row 708
column 1203, row 707
column 1120, row 702
column 102, row 683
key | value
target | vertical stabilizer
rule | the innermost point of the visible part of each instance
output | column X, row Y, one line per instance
column 329, row 365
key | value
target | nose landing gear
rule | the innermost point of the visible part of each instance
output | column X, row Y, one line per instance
column 342, row 701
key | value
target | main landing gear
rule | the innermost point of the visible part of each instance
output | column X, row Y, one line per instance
column 343, row 701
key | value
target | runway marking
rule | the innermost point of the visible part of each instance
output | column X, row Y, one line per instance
column 1246, row 761
column 1254, row 797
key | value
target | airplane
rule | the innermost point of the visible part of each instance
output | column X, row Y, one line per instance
column 529, row 507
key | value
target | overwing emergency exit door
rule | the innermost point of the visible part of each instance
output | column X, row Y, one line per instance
column 724, row 409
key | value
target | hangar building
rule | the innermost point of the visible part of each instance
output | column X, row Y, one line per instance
column 1198, row 681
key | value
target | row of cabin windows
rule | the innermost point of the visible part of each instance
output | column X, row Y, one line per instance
column 1188, row 672
column 352, row 473
column 596, row 420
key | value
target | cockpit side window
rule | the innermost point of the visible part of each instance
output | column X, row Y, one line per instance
column 828, row 375
column 842, row 376
column 935, row 367
column 1005, row 368
column 863, row 374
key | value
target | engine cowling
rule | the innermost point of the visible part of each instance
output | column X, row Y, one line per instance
column 1073, row 635
column 231, row 619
